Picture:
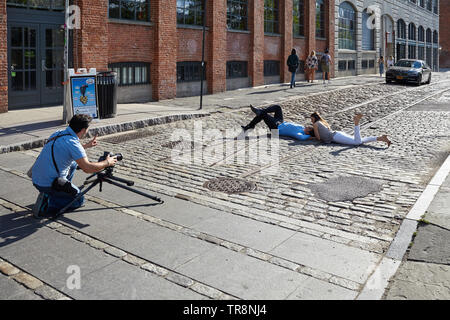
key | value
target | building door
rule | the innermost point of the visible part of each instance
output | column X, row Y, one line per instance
column 35, row 57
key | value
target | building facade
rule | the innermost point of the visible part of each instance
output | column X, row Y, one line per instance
column 156, row 45
column 368, row 29
column 444, row 39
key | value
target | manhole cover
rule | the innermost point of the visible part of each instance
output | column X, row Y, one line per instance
column 345, row 188
column 230, row 185
column 123, row 137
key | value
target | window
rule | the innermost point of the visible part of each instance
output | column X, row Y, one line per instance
column 131, row 73
column 342, row 65
column 237, row 69
column 422, row 3
column 401, row 51
column 401, row 29
column 271, row 19
column 138, row 10
column 429, row 5
column 320, row 19
column 347, row 26
column 271, row 68
column 190, row 12
column 413, row 1
column 435, row 37
column 190, row 71
column 52, row 5
column 421, row 34
column 435, row 6
column 371, row 64
column 299, row 18
column 411, row 51
column 351, row 64
column 412, row 31
column 368, row 32
column 237, row 14
column 421, row 53
column 429, row 35
column 364, row 64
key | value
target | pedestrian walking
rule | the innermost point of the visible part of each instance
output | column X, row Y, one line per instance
column 381, row 65
column 292, row 63
column 311, row 66
column 325, row 63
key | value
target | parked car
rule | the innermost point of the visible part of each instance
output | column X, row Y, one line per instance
column 409, row 70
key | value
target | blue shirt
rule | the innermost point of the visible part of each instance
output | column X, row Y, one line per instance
column 67, row 149
column 293, row 130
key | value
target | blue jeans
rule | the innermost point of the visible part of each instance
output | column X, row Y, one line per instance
column 58, row 200
column 293, row 79
column 381, row 69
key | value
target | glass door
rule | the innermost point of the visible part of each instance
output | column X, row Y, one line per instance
column 52, row 64
column 23, row 68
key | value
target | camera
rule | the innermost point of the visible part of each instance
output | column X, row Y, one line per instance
column 107, row 153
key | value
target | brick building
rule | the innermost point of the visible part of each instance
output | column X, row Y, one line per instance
column 444, row 39
column 156, row 45
column 406, row 29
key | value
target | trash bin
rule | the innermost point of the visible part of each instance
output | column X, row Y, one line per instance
column 107, row 94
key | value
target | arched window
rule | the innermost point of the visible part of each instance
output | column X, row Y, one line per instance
column 320, row 19
column 421, row 34
column 401, row 29
column 435, row 6
column 429, row 35
column 368, row 32
column 435, row 37
column 347, row 26
column 412, row 41
column 299, row 17
column 412, row 31
column 429, row 5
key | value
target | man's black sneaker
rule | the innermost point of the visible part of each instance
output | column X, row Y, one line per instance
column 255, row 110
column 41, row 205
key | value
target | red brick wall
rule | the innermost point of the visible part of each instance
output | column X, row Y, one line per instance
column 286, row 40
column 164, row 67
column 237, row 46
column 217, row 43
column 444, row 34
column 256, row 27
column 3, row 58
column 93, row 37
column 128, row 43
column 272, row 48
column 190, row 45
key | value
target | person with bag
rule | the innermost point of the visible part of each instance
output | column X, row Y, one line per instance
column 311, row 66
column 293, row 63
column 55, row 167
column 325, row 62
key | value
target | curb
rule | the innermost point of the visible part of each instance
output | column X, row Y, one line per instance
column 107, row 129
column 378, row 282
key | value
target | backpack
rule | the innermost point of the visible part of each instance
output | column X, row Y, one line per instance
column 323, row 59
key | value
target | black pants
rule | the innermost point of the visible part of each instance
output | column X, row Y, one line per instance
column 271, row 121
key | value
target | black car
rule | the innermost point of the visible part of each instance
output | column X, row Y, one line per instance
column 409, row 70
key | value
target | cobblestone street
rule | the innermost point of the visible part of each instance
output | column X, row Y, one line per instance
column 283, row 240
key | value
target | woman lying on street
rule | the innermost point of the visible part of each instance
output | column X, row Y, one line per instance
column 276, row 121
column 323, row 132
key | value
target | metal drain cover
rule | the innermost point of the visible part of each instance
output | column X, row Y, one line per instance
column 345, row 188
column 230, row 185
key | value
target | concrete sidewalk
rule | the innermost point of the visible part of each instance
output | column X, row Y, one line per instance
column 425, row 272
column 28, row 128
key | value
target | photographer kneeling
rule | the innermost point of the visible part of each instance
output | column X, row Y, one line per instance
column 54, row 169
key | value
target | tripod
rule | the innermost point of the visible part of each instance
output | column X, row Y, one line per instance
column 106, row 176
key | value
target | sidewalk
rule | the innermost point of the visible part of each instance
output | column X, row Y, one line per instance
column 425, row 272
column 28, row 128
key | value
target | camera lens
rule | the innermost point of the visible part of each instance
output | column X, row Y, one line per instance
column 119, row 156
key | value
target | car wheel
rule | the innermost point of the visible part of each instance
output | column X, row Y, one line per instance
column 388, row 81
column 419, row 80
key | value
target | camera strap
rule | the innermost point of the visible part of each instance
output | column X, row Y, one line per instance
column 53, row 154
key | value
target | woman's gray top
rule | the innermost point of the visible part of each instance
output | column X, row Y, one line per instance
column 326, row 135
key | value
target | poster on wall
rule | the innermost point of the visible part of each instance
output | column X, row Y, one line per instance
column 84, row 95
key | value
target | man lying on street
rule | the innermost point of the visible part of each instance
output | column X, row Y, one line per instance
column 54, row 169
column 275, row 122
